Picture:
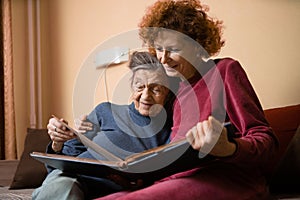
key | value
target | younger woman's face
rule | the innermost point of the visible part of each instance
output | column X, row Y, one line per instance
column 149, row 91
column 173, row 51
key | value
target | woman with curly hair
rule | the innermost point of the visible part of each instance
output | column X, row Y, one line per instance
column 211, row 92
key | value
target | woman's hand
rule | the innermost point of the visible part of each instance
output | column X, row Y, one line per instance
column 58, row 133
column 210, row 137
column 82, row 125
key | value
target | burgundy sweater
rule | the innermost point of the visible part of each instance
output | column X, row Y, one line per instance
column 224, row 91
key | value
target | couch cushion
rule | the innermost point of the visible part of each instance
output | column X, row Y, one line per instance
column 7, row 171
column 284, row 121
column 286, row 178
column 30, row 173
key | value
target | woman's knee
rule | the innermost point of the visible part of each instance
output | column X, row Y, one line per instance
column 58, row 185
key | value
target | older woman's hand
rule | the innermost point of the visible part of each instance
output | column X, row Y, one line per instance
column 210, row 137
column 58, row 133
column 82, row 125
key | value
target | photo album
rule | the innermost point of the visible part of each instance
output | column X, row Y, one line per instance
column 149, row 165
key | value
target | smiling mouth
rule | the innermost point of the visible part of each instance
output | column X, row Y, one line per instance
column 171, row 66
column 146, row 104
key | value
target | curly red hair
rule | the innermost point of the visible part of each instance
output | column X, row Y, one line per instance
column 186, row 16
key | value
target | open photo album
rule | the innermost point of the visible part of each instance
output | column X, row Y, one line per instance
column 149, row 165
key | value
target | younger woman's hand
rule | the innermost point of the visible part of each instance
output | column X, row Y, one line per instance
column 210, row 137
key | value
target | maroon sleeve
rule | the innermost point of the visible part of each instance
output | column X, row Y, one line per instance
column 256, row 142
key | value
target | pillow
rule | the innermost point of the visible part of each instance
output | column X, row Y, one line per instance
column 30, row 173
column 286, row 178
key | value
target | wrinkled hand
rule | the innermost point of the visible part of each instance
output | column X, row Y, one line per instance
column 210, row 137
column 82, row 125
column 58, row 133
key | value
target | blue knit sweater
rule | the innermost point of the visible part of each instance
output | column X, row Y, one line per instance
column 121, row 130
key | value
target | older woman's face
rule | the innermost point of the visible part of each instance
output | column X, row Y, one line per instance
column 149, row 91
column 174, row 52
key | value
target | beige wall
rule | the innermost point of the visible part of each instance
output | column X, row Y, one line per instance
column 73, row 28
column 262, row 35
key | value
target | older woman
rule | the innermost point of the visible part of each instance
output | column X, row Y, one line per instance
column 211, row 91
column 121, row 129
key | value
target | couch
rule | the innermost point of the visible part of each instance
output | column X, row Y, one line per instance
column 18, row 178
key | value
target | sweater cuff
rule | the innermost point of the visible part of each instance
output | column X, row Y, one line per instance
column 51, row 151
column 236, row 153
